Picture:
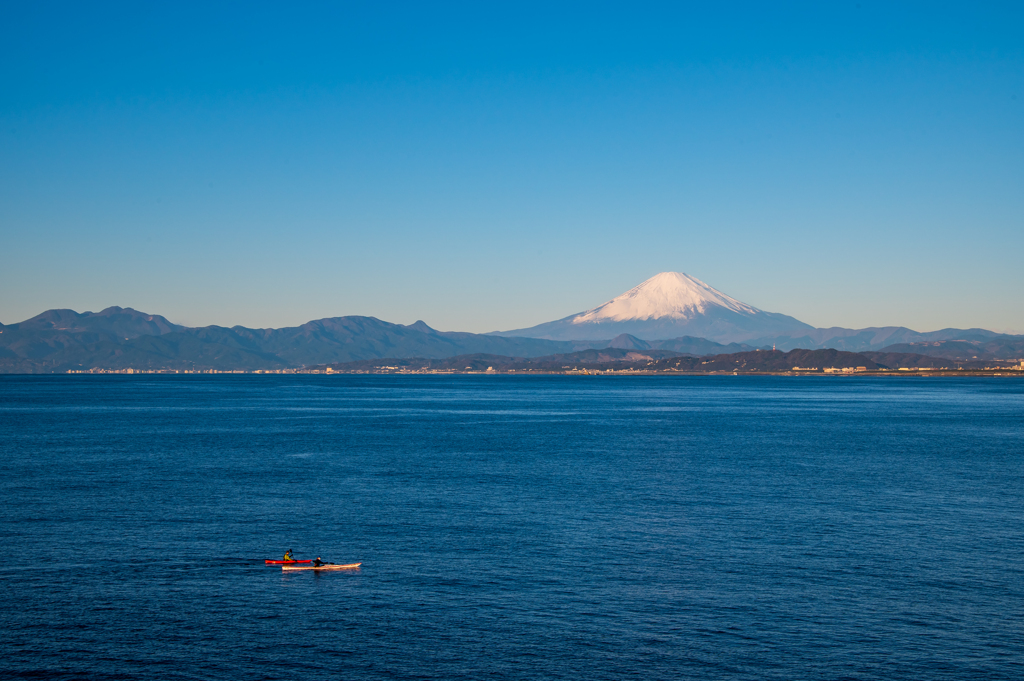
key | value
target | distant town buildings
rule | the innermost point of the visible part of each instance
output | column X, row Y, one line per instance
column 636, row 369
column 129, row 370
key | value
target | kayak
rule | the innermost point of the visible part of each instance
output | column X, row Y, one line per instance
column 286, row 562
column 325, row 566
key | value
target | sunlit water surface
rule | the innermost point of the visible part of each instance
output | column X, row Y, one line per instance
column 512, row 527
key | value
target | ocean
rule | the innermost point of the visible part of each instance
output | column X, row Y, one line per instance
column 561, row 527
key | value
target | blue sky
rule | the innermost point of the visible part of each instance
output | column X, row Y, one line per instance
column 487, row 167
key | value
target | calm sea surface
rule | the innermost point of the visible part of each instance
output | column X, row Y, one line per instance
column 512, row 527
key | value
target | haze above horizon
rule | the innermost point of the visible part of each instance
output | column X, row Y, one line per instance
column 485, row 168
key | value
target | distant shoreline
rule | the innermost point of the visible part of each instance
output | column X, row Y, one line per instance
column 588, row 372
column 819, row 374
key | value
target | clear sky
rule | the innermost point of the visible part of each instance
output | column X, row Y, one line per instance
column 483, row 166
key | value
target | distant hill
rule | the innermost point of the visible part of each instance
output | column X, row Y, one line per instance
column 776, row 360
column 879, row 338
column 658, row 360
column 910, row 360
column 979, row 348
column 685, row 345
column 482, row 362
column 60, row 339
column 113, row 323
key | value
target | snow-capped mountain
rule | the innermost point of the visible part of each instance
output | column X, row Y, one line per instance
column 669, row 305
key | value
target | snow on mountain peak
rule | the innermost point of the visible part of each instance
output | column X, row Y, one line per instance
column 672, row 295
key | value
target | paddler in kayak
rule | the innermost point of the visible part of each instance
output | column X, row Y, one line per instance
column 317, row 562
column 288, row 555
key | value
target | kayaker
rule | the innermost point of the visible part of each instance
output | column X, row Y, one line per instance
column 317, row 562
column 288, row 555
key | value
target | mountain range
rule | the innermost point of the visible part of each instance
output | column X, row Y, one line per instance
column 673, row 304
column 670, row 313
column 670, row 305
column 120, row 338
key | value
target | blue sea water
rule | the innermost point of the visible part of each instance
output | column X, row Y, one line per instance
column 512, row 527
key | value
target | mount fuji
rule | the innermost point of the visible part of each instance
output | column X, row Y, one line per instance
column 669, row 305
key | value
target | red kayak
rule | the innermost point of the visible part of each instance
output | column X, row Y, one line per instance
column 287, row 562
